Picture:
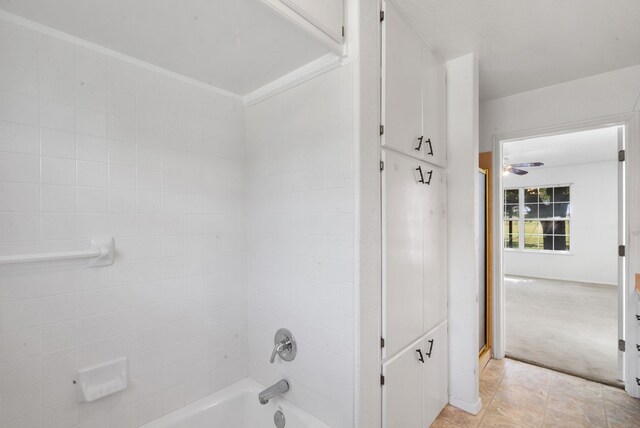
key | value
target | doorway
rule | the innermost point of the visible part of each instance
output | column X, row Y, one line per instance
column 561, row 223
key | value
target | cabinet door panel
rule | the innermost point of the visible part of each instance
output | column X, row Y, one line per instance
column 402, row 314
column 435, row 248
column 402, row 84
column 435, row 374
column 402, row 401
column 434, row 108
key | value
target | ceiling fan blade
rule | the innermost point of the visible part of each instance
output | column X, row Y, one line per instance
column 527, row 164
column 518, row 171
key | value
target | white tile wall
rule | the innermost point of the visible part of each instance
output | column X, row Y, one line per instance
column 300, row 242
column 91, row 144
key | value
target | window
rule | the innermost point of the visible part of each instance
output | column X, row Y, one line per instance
column 537, row 218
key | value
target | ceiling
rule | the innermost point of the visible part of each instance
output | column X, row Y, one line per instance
column 529, row 44
column 236, row 45
column 598, row 145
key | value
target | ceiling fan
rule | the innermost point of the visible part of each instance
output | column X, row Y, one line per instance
column 515, row 168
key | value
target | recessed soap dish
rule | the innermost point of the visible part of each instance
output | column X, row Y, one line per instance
column 103, row 379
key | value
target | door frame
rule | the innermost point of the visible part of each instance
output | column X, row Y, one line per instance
column 631, row 124
column 485, row 352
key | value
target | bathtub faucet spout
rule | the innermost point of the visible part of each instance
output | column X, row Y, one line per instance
column 274, row 390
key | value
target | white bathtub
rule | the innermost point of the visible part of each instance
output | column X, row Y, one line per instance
column 236, row 406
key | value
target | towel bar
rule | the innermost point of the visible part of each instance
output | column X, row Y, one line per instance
column 100, row 253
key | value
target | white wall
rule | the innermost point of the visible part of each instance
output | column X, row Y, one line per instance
column 300, row 242
column 92, row 144
column 463, row 238
column 594, row 225
column 579, row 100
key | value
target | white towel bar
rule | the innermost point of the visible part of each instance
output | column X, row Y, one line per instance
column 101, row 254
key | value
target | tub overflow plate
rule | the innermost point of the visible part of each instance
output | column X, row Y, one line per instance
column 278, row 419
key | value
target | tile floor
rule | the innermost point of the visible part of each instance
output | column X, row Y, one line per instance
column 516, row 395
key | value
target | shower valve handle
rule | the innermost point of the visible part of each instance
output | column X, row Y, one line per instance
column 284, row 345
column 276, row 350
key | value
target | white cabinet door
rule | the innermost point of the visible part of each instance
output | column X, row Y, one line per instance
column 402, row 401
column 435, row 247
column 435, row 391
column 402, row 223
column 402, row 79
column 327, row 15
column 415, row 386
column 434, row 108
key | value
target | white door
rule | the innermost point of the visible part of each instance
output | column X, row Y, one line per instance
column 402, row 80
column 621, row 260
column 434, row 247
column 434, row 108
column 435, row 374
column 402, row 189
column 402, row 400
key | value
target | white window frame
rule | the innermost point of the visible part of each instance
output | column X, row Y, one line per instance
column 521, row 220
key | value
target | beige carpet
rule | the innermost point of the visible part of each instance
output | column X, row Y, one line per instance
column 566, row 326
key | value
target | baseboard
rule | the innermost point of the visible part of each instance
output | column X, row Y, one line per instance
column 473, row 408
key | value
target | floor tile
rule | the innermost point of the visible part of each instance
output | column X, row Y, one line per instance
column 489, row 384
column 519, row 395
column 527, row 392
column 493, row 419
column 442, row 423
column 522, row 408
column 561, row 410
column 460, row 418
column 575, row 387
column 619, row 416
column 620, row 398
column 555, row 419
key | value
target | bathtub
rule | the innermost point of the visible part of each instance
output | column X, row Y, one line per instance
column 236, row 406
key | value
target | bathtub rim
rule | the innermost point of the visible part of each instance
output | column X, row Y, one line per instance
column 244, row 385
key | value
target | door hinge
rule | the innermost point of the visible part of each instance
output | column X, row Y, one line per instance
column 381, row 129
column 381, row 379
column 621, row 345
column 343, row 31
column 382, row 342
column 621, row 250
column 621, row 156
column 381, row 15
column 382, row 169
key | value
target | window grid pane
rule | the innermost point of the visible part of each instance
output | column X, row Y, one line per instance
column 546, row 218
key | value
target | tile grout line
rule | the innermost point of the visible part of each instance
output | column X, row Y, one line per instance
column 546, row 403
column 604, row 406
